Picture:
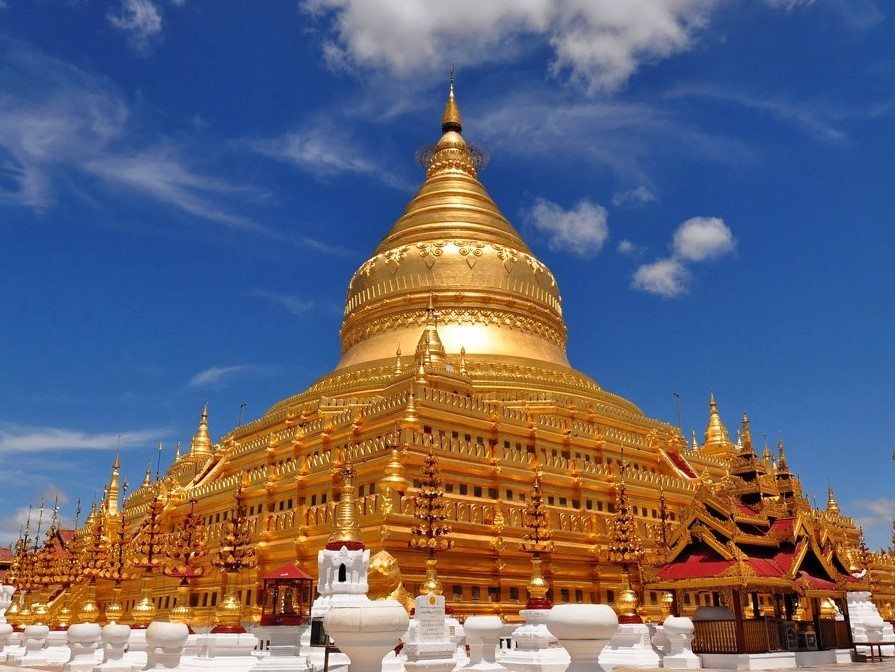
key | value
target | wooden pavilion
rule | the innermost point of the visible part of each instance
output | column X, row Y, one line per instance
column 773, row 569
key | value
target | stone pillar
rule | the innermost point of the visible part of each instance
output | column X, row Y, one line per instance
column 83, row 641
column 678, row 633
column 482, row 636
column 583, row 630
column 366, row 630
column 114, row 638
column 35, row 639
column 164, row 645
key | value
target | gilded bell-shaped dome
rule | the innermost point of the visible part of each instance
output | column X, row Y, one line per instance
column 453, row 246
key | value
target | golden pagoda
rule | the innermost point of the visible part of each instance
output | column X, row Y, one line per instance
column 453, row 344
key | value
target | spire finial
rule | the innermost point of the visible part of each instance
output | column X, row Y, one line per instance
column 832, row 504
column 716, row 436
column 200, row 446
column 451, row 120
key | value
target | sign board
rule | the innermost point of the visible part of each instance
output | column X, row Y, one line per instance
column 429, row 615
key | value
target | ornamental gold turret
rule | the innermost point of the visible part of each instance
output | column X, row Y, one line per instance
column 346, row 529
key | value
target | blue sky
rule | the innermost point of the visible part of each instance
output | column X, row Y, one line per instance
column 186, row 187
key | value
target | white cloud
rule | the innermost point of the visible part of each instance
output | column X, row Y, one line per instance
column 703, row 239
column 217, row 375
column 695, row 240
column 140, row 19
column 627, row 248
column 324, row 151
column 23, row 439
column 665, row 277
column 598, row 43
column 874, row 516
column 633, row 196
column 581, row 230
column 288, row 302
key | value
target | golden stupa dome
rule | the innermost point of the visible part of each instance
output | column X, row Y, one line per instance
column 453, row 246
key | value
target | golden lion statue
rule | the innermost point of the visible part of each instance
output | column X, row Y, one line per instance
column 384, row 580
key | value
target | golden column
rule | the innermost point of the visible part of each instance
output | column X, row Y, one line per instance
column 236, row 552
column 67, row 572
column 145, row 552
column 538, row 542
column 19, row 576
column 183, row 548
column 430, row 532
column 625, row 548
column 92, row 560
column 113, row 564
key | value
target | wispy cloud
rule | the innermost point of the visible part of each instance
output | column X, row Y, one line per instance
column 628, row 137
column 141, row 20
column 324, row 150
column 25, row 439
column 295, row 305
column 219, row 375
column 636, row 196
column 628, row 248
column 61, row 125
column 696, row 240
column 816, row 119
column 581, row 230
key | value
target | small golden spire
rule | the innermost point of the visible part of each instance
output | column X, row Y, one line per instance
column 201, row 443
column 430, row 348
column 695, row 445
column 463, row 370
column 147, row 479
column 716, row 437
column 832, row 504
column 746, row 434
column 394, row 471
column 781, row 460
column 398, row 368
column 111, row 499
column 177, row 449
column 766, row 453
column 346, row 530
column 410, row 420
column 451, row 119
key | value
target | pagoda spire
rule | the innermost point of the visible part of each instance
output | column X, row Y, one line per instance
column 832, row 504
column 782, row 466
column 346, row 531
column 717, row 440
column 147, row 479
column 111, row 500
column 200, row 446
column 746, row 435
column 430, row 349
column 451, row 119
